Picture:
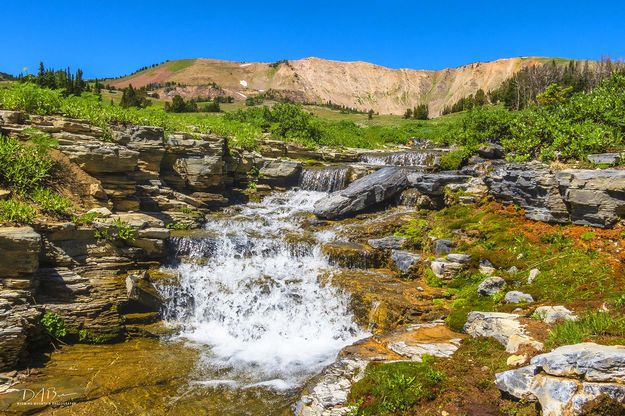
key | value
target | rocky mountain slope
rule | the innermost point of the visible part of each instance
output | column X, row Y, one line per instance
column 359, row 85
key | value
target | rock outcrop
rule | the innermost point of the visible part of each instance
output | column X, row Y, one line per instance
column 569, row 377
column 19, row 319
column 363, row 193
column 533, row 187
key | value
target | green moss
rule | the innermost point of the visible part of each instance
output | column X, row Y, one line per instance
column 414, row 230
column 388, row 388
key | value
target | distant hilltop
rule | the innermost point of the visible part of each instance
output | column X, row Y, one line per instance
column 359, row 85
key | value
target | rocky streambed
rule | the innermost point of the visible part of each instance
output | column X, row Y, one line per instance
column 266, row 282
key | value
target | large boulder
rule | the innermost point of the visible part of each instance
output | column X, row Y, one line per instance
column 569, row 377
column 533, row 187
column 594, row 197
column 362, row 194
column 280, row 172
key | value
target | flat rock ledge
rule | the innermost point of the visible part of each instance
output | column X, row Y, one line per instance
column 567, row 378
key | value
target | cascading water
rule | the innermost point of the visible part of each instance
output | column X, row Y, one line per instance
column 399, row 159
column 256, row 301
column 326, row 179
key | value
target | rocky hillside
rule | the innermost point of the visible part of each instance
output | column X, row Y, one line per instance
column 359, row 85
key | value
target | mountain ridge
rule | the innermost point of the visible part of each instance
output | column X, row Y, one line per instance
column 355, row 84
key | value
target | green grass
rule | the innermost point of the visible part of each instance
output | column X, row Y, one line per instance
column 589, row 327
column 179, row 65
column 388, row 388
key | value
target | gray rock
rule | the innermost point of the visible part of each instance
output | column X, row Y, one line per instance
column 517, row 383
column 533, row 187
column 444, row 269
column 441, row 246
column 404, row 261
column 567, row 378
column 594, row 197
column 504, row 327
column 280, row 172
column 552, row 314
column 433, row 184
column 605, row 158
column 515, row 296
column 19, row 251
column 387, row 243
column 532, row 275
column 362, row 194
column 491, row 285
column 589, row 361
column 491, row 151
column 513, row 270
column 486, row 267
column 459, row 258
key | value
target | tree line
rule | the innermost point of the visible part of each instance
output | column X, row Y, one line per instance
column 72, row 83
column 420, row 112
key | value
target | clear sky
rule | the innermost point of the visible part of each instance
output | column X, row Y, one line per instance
column 110, row 38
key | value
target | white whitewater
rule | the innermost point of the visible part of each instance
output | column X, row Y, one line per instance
column 326, row 179
column 398, row 159
column 255, row 299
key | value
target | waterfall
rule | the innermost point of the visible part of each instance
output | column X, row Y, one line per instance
column 256, row 301
column 399, row 159
column 327, row 179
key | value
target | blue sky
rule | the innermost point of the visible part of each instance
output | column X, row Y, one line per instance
column 109, row 38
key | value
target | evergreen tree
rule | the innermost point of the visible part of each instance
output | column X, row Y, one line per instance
column 421, row 112
column 408, row 113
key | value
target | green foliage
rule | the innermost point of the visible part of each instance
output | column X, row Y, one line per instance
column 16, row 212
column 388, row 388
column 178, row 226
column 132, row 97
column 22, row 166
column 118, row 231
column 414, row 230
column 455, row 160
column 554, row 94
column 31, row 98
column 51, row 202
column 86, row 218
column 39, row 138
column 179, row 105
column 588, row 327
column 54, row 325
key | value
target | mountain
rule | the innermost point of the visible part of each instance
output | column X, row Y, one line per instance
column 359, row 85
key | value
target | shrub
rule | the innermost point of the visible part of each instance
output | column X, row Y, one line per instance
column 51, row 202
column 455, row 160
column 54, row 325
column 23, row 166
column 16, row 212
column 31, row 98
